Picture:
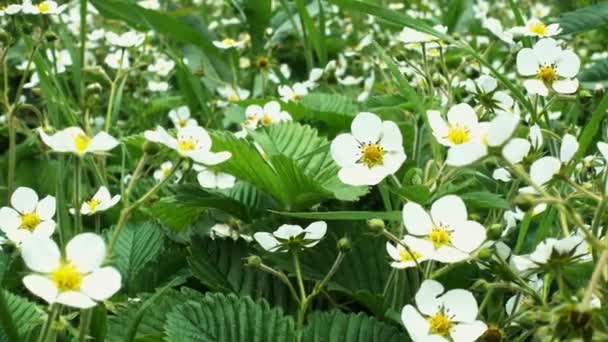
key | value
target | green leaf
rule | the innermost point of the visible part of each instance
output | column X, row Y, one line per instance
column 258, row 13
column 344, row 215
column 484, row 199
column 24, row 314
column 137, row 245
column 228, row 318
column 590, row 130
column 336, row 326
column 583, row 19
column 595, row 74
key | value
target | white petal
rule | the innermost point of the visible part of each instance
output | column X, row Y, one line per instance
column 45, row 229
column 75, row 299
column 467, row 332
column 416, row 325
column 438, row 125
column 536, row 87
column 462, row 114
column 9, row 219
column 360, row 174
column 225, row 181
column 287, row 231
column 502, row 174
column 465, row 154
column 391, row 137
column 24, row 200
column 102, row 142
column 316, row 230
column 103, row 194
column 449, row 210
column 366, row 127
column 207, row 179
column 567, row 86
column 46, row 208
column 41, row 286
column 86, row 251
column 211, row 158
column 547, row 51
column 527, row 63
column 516, row 150
column 266, row 240
column 468, row 236
column 568, row 148
column 40, row 254
column 568, row 64
column 460, row 304
column 102, row 283
column 427, row 297
column 448, row 255
column 543, row 169
column 501, row 128
column 416, row 220
column 345, row 150
column 601, row 146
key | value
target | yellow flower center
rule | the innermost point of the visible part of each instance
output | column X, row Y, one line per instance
column 440, row 324
column 186, row 145
column 67, row 277
column 266, row 120
column 372, row 155
column 233, row 98
column 29, row 221
column 82, row 141
column 44, row 7
column 547, row 73
column 407, row 256
column 439, row 236
column 229, row 42
column 458, row 135
column 539, row 29
column 182, row 122
column 166, row 172
column 296, row 97
column 93, row 203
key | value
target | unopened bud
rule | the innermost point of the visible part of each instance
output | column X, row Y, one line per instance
column 150, row 148
column 376, row 225
column 495, row 231
column 485, row 253
column 344, row 245
column 253, row 261
column 50, row 36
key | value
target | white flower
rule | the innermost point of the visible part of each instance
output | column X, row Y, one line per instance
column 192, row 142
column 294, row 93
column 44, row 7
column 10, row 9
column 536, row 137
column 270, row 114
column 573, row 248
column 536, row 28
column 213, row 180
column 118, row 59
column 288, row 237
column 485, row 88
column 101, row 201
column 61, row 59
column 551, row 67
column 468, row 139
column 149, row 4
column 228, row 43
column 75, row 140
column 164, row 171
column 222, row 230
column 447, row 231
column 28, row 216
column 233, row 95
column 162, row 67
column 442, row 317
column 495, row 26
column 371, row 152
column 181, row 117
column 125, row 40
column 77, row 280
column 541, row 172
column 410, row 36
column 350, row 80
column 501, row 174
column 568, row 148
column 157, row 86
column 402, row 258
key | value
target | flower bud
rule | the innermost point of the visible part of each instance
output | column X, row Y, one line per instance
column 495, row 231
column 253, row 261
column 376, row 225
column 485, row 253
column 150, row 148
column 344, row 245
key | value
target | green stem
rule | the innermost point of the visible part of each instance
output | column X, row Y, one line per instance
column 595, row 279
column 85, row 322
column 77, row 194
column 113, row 92
column 283, row 278
column 136, row 175
column 46, row 328
column 12, row 152
column 304, row 300
column 124, row 214
column 6, row 319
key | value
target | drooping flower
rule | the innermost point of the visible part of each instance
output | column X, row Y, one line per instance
column 192, row 142
column 570, row 249
column 125, row 40
column 101, row 201
column 28, row 216
column 181, row 117
column 442, row 316
column 536, row 28
column 552, row 68
column 484, row 88
column 213, row 180
column 77, row 279
column 75, row 140
column 118, row 60
column 292, row 237
column 447, row 231
column 372, row 151
column 404, row 258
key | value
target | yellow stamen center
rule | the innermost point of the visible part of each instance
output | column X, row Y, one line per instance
column 29, row 221
column 44, row 7
column 439, row 236
column 233, row 98
column 93, row 204
column 186, row 145
column 538, row 29
column 266, row 120
column 440, row 324
column 166, row 172
column 547, row 73
column 67, row 277
column 81, row 142
column 229, row 42
column 372, row 155
column 407, row 256
column 182, row 122
column 458, row 135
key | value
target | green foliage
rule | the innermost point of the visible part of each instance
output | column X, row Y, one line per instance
column 24, row 314
column 584, row 19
